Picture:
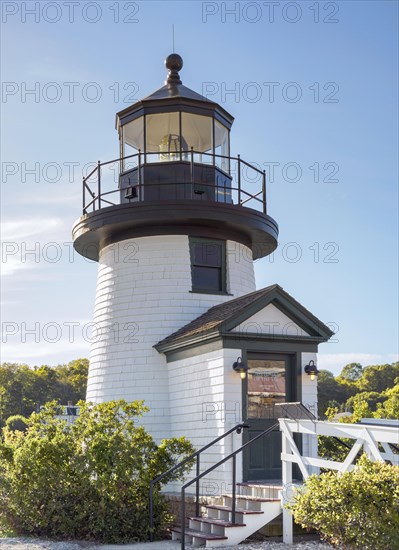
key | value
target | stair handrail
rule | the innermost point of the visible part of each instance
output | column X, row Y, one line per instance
column 199, row 476
column 237, row 428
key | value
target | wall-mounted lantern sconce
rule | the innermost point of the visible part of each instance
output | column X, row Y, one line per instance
column 240, row 367
column 311, row 370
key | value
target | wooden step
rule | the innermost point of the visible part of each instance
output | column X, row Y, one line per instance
column 260, row 485
column 252, row 499
column 198, row 534
column 229, row 509
column 220, row 522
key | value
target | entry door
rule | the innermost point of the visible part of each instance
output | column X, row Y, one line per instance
column 270, row 380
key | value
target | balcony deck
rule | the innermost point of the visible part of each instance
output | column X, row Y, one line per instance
column 178, row 197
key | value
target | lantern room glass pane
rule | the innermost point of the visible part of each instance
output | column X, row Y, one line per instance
column 222, row 146
column 162, row 137
column 132, row 141
column 197, row 133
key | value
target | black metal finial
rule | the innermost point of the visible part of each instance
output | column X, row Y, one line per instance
column 174, row 63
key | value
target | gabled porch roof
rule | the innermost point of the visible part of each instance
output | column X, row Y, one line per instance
column 219, row 321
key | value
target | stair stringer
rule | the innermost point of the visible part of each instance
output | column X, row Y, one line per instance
column 253, row 523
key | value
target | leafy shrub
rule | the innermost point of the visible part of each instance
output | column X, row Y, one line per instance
column 367, row 399
column 357, row 509
column 390, row 408
column 89, row 480
column 17, row 422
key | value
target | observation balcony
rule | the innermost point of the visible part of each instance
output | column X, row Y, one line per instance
column 181, row 192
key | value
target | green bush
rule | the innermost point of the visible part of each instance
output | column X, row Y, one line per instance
column 357, row 509
column 17, row 422
column 89, row 480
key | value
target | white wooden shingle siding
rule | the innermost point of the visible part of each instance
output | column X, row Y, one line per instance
column 143, row 295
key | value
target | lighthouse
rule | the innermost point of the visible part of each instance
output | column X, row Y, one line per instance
column 178, row 320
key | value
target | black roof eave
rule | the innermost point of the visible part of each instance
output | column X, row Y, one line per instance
column 186, row 342
column 172, row 104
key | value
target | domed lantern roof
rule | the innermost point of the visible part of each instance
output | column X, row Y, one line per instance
column 173, row 96
column 174, row 118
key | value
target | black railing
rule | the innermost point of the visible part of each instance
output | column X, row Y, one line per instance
column 238, row 428
column 99, row 192
column 199, row 476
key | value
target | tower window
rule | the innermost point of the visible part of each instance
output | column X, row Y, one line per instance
column 208, row 265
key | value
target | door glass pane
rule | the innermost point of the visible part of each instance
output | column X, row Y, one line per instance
column 266, row 387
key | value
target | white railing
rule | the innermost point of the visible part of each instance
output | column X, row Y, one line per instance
column 370, row 438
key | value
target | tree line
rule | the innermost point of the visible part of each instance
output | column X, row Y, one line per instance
column 24, row 389
column 365, row 392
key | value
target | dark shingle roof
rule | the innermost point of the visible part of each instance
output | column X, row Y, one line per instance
column 217, row 316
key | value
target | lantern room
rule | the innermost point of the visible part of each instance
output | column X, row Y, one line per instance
column 185, row 133
column 175, row 176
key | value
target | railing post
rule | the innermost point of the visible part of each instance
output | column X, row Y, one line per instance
column 183, row 519
column 197, row 486
column 84, row 195
column 192, row 172
column 139, row 174
column 239, row 179
column 264, row 191
column 151, row 513
column 233, row 502
column 99, row 184
column 287, row 488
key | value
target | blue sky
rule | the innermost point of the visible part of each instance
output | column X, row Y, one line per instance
column 313, row 89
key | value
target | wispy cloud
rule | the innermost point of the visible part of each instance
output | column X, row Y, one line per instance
column 20, row 237
column 23, row 229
